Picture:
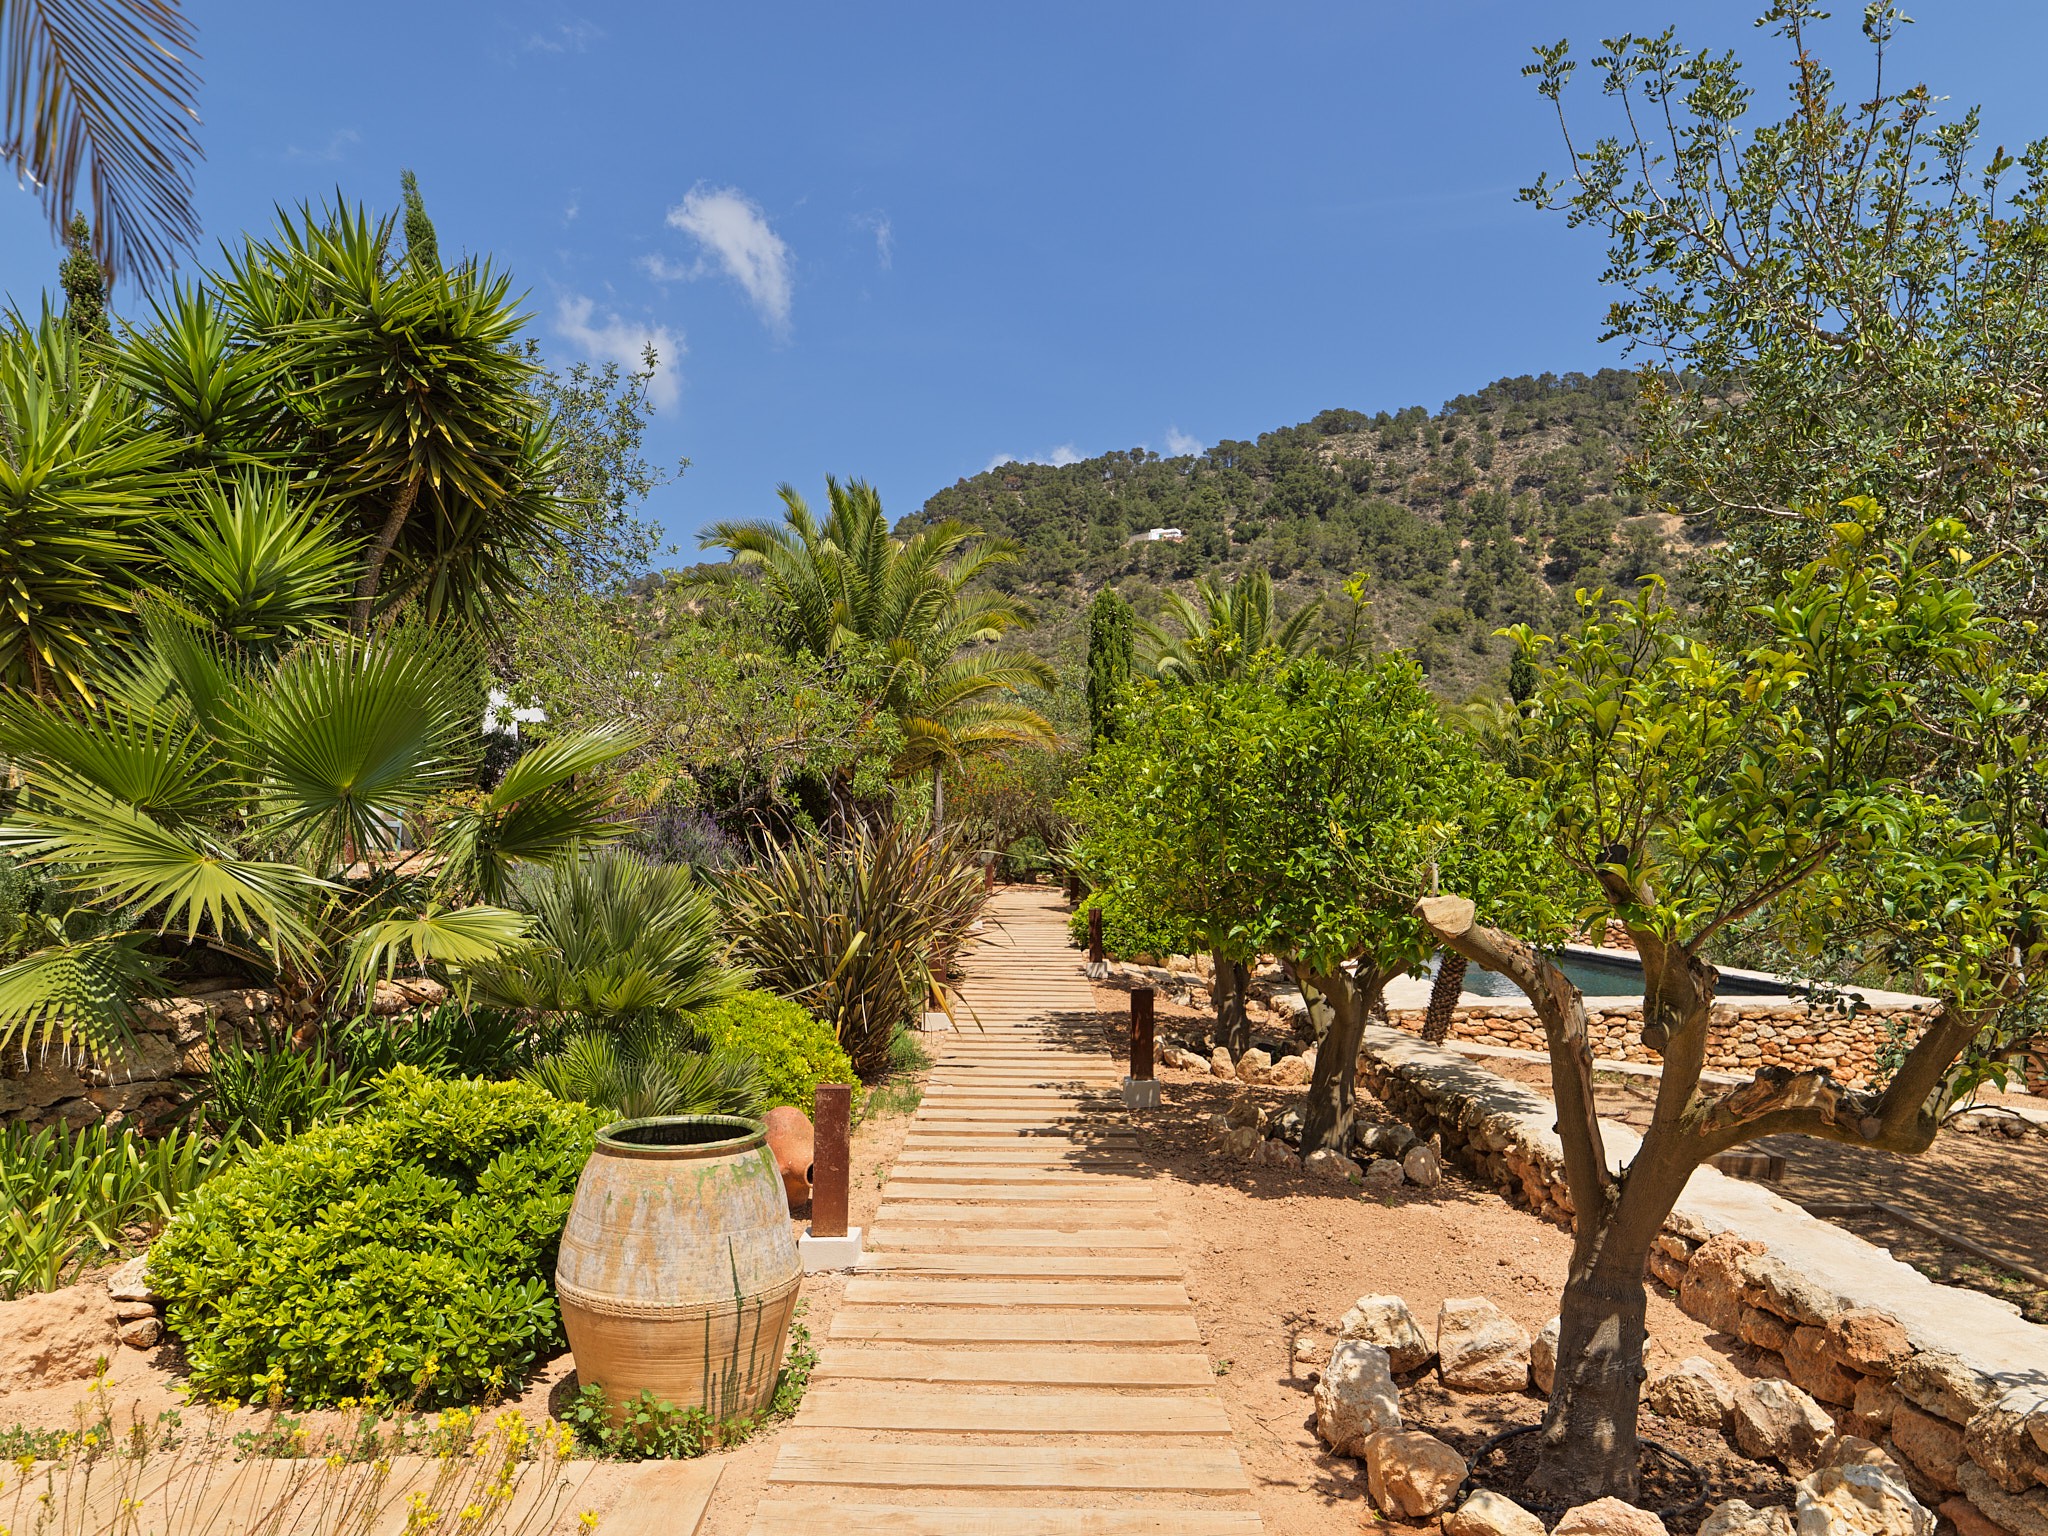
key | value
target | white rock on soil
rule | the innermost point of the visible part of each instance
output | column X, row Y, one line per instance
column 1252, row 1066
column 1694, row 1393
column 1387, row 1322
column 1290, row 1072
column 1486, row 1513
column 143, row 1333
column 1333, row 1166
column 128, row 1283
column 1608, row 1517
column 1422, row 1167
column 1736, row 1517
column 1480, row 1348
column 1860, row 1499
column 1412, row 1475
column 1382, row 1177
column 1220, row 1064
column 1356, row 1399
column 1775, row 1420
column 1543, row 1357
column 1308, row 1349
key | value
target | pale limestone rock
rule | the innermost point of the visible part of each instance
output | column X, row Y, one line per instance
column 1485, row 1513
column 1712, row 1288
column 1239, row 1142
column 1412, row 1475
column 1608, row 1517
column 1334, row 1167
column 1945, row 1386
column 1875, row 1402
column 1356, row 1399
column 1775, row 1419
column 1289, row 1072
column 1860, row 1499
column 1387, row 1322
column 2023, row 1514
column 1383, row 1177
column 1480, row 1348
column 1220, row 1064
column 1735, row 1517
column 142, row 1333
column 1814, row 1369
column 55, row 1336
column 129, row 1282
column 1422, row 1167
column 1308, row 1349
column 1694, row 1393
column 1998, row 1439
column 1867, row 1340
column 1932, row 1447
column 1252, row 1066
column 1543, row 1356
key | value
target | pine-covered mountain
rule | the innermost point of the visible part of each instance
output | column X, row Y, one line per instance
column 1487, row 512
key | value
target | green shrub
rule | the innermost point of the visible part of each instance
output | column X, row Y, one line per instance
column 269, row 1091
column 795, row 1051
column 403, row 1255
column 1127, row 933
column 641, row 1070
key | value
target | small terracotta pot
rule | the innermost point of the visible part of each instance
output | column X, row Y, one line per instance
column 790, row 1143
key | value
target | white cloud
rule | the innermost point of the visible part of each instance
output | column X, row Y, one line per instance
column 662, row 270
column 1179, row 443
column 566, row 37
column 1066, row 453
column 731, row 227
column 575, row 207
column 336, row 148
column 612, row 339
column 885, row 236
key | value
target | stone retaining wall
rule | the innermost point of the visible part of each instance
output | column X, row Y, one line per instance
column 146, row 1086
column 1747, row 1034
column 1952, row 1382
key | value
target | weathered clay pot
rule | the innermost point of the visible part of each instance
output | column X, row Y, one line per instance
column 790, row 1143
column 678, row 1274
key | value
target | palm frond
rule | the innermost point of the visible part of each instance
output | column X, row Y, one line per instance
column 82, row 994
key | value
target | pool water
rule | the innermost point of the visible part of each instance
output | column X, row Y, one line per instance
column 1621, row 976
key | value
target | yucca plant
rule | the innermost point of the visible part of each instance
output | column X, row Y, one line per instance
column 268, row 1092
column 859, row 932
column 646, row 1068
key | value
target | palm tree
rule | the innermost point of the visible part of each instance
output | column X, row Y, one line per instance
column 253, row 807
column 1223, row 631
column 848, row 589
column 104, row 97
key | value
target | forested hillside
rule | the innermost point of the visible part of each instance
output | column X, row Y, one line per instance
column 1486, row 513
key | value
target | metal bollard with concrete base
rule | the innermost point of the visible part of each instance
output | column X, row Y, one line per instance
column 1098, row 964
column 828, row 1243
column 1141, row 1088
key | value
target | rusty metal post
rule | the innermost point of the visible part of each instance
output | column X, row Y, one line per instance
column 1073, row 889
column 831, row 1158
column 988, row 876
column 1095, row 937
column 1141, row 1033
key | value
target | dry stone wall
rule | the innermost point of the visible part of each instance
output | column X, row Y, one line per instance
column 146, row 1085
column 1953, row 1383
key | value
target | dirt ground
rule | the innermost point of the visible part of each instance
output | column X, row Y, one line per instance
column 1970, row 1184
column 1272, row 1254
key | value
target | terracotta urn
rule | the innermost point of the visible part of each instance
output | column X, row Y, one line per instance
column 790, row 1143
column 678, row 1274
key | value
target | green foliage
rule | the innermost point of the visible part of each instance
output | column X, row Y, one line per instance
column 1226, row 634
column 1131, row 926
column 271, row 1092
column 1110, row 642
column 451, row 1040
column 857, row 932
column 403, row 1255
column 845, row 587
column 654, row 1430
column 421, row 244
column 646, row 1069
column 793, row 1051
column 68, row 1197
column 84, row 282
column 612, row 938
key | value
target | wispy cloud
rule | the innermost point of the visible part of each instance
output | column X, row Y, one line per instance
column 612, row 339
column 575, row 207
column 338, row 144
column 1179, row 443
column 885, row 236
column 734, row 231
column 662, row 270
column 1066, row 453
column 564, row 37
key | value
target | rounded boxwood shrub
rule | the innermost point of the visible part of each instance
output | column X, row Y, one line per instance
column 796, row 1052
column 406, row 1255
column 1128, row 930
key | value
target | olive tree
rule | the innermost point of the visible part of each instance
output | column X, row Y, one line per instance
column 1803, row 781
column 1300, row 814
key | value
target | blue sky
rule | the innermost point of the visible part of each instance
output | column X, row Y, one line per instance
column 904, row 241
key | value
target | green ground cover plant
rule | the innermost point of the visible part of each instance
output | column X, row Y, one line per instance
column 795, row 1051
column 401, row 1256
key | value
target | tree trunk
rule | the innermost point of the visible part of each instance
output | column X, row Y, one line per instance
column 387, row 539
column 1332, row 1103
column 1233, row 1025
column 1443, row 996
column 938, row 798
column 1589, row 1429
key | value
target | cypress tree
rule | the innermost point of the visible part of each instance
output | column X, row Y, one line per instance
column 1111, row 626
column 420, row 243
column 84, row 283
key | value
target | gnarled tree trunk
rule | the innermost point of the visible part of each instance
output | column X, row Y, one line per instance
column 1332, row 1103
column 1227, row 992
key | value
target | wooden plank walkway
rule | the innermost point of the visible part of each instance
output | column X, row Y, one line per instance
column 1019, row 1356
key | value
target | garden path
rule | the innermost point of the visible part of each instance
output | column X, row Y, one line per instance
column 1018, row 1356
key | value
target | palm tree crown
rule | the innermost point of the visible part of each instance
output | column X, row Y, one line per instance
column 1222, row 631
column 847, row 587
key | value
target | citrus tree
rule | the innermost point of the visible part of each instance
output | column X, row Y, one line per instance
column 1859, row 778
column 1301, row 814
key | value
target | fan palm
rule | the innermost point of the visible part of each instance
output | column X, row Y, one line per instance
column 102, row 97
column 254, row 807
column 650, row 1068
column 1223, row 631
column 846, row 587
